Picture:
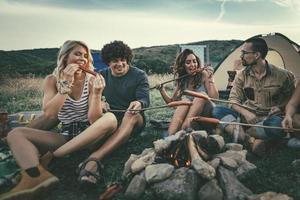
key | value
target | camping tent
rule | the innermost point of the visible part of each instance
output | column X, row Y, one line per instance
column 283, row 53
column 98, row 62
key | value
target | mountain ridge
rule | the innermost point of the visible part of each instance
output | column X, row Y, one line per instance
column 153, row 59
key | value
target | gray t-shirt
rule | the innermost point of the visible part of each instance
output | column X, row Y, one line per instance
column 120, row 91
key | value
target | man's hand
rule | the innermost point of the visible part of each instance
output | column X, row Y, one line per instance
column 135, row 105
column 287, row 122
column 274, row 110
column 105, row 106
column 250, row 117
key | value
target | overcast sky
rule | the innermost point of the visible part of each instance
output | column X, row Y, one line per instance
column 27, row 24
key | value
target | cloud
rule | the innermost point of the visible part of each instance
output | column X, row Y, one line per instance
column 293, row 4
column 222, row 12
column 222, row 6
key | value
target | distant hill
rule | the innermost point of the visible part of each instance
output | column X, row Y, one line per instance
column 156, row 59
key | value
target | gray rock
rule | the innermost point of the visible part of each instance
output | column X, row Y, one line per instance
column 233, row 189
column 177, row 136
column 205, row 170
column 238, row 156
column 136, row 187
column 215, row 163
column 296, row 164
column 200, row 134
column 229, row 163
column 128, row 163
column 160, row 145
column 158, row 172
column 182, row 184
column 244, row 168
column 234, row 147
column 143, row 161
column 269, row 196
column 210, row 191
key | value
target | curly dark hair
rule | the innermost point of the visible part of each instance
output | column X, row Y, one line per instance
column 114, row 50
column 179, row 69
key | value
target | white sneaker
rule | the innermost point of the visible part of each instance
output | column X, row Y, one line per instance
column 294, row 143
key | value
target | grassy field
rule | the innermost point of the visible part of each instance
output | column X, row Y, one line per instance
column 274, row 172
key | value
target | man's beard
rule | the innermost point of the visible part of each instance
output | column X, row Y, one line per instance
column 244, row 63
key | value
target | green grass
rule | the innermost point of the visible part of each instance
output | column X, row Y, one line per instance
column 274, row 172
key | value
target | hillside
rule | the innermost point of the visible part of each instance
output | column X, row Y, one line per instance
column 156, row 59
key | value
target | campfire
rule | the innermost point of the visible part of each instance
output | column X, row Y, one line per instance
column 190, row 165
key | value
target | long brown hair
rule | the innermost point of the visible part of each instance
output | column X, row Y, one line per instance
column 179, row 70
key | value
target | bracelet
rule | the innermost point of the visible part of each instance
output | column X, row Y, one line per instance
column 64, row 87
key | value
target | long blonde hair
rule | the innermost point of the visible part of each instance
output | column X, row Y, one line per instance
column 64, row 52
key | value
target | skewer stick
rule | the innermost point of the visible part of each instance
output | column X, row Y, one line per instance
column 181, row 77
column 175, row 79
column 172, row 104
column 88, row 71
column 216, row 121
column 203, row 96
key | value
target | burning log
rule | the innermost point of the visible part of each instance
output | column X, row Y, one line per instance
column 202, row 153
column 215, row 143
column 200, row 166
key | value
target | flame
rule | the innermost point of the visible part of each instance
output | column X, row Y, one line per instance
column 188, row 163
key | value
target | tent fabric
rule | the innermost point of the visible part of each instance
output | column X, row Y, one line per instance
column 282, row 53
column 98, row 62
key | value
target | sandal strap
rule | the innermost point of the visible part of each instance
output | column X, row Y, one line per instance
column 83, row 172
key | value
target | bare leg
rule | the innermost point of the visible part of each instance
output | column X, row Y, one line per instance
column 26, row 143
column 43, row 123
column 177, row 119
column 195, row 110
column 99, row 129
column 121, row 135
column 230, row 130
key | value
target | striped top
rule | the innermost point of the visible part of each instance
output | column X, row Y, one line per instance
column 75, row 110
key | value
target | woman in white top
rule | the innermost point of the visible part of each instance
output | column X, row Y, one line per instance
column 75, row 98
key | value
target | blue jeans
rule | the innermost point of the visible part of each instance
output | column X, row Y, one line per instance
column 228, row 115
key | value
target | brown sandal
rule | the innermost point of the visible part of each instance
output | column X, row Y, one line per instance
column 83, row 172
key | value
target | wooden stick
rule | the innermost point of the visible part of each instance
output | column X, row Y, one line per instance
column 203, row 96
column 181, row 77
column 88, row 71
column 216, row 121
column 172, row 104
column 192, row 148
column 175, row 79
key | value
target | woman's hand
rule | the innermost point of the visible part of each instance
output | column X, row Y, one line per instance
column 159, row 87
column 69, row 71
column 98, row 84
column 209, row 69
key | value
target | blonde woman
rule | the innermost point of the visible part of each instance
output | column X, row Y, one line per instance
column 75, row 98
